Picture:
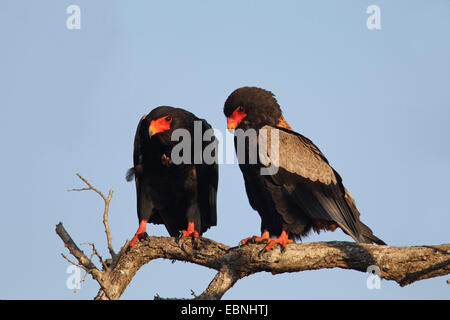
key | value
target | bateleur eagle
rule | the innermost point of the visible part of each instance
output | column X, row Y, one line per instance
column 304, row 193
column 182, row 196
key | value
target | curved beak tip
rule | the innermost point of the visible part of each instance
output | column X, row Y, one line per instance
column 151, row 131
column 231, row 125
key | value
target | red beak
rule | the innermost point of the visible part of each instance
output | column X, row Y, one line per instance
column 235, row 118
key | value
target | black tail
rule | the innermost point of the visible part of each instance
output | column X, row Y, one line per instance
column 366, row 235
column 130, row 174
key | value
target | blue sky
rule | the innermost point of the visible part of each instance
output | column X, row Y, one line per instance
column 376, row 102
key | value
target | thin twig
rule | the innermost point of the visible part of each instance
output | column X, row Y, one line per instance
column 82, row 280
column 74, row 263
column 95, row 252
column 107, row 201
column 404, row 265
column 80, row 189
column 83, row 260
column 106, row 224
column 91, row 187
column 78, row 266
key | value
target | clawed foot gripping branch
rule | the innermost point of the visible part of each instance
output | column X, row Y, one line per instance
column 403, row 265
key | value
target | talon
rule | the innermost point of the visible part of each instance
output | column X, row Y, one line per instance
column 142, row 236
column 196, row 243
column 263, row 239
column 244, row 241
column 178, row 237
column 263, row 250
column 140, row 233
column 179, row 241
column 283, row 240
column 190, row 232
column 182, row 246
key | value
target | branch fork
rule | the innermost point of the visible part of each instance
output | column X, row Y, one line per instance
column 404, row 265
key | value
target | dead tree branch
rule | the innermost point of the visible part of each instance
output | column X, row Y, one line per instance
column 107, row 201
column 403, row 265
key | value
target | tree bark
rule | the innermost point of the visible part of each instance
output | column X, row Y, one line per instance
column 403, row 265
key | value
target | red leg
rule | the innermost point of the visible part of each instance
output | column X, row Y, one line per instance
column 283, row 240
column 190, row 232
column 264, row 237
column 140, row 233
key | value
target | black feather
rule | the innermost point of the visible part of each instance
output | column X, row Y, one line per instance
column 173, row 194
column 306, row 192
column 130, row 174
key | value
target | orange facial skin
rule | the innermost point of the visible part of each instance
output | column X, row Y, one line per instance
column 235, row 118
column 160, row 125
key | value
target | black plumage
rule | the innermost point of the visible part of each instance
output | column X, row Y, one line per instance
column 182, row 196
column 305, row 193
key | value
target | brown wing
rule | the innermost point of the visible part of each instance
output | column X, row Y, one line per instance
column 295, row 154
column 308, row 179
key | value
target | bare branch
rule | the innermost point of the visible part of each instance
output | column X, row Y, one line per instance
column 106, row 224
column 221, row 283
column 90, row 187
column 72, row 262
column 404, row 265
column 80, row 189
column 96, row 253
column 107, row 201
column 83, row 260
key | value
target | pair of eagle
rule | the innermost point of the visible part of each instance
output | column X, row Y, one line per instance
column 305, row 193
